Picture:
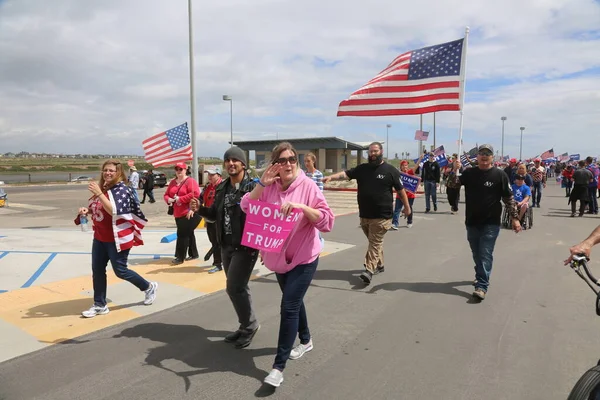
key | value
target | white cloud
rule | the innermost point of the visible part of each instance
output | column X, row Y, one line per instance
column 91, row 76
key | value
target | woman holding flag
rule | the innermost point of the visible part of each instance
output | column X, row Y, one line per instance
column 398, row 204
column 118, row 221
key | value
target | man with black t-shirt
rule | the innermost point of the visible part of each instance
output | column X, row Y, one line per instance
column 484, row 186
column 375, row 203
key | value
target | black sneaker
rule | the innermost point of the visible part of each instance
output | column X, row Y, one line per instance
column 245, row 338
column 366, row 277
column 435, row 207
column 233, row 336
column 379, row 269
column 426, row 210
column 177, row 261
column 190, row 258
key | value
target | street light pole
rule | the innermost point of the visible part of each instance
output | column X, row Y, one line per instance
column 521, row 146
column 387, row 141
column 192, row 95
column 502, row 152
column 230, row 100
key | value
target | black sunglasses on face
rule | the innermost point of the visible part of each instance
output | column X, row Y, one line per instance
column 485, row 153
column 283, row 160
column 178, row 169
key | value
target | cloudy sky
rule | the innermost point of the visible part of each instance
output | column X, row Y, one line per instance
column 100, row 76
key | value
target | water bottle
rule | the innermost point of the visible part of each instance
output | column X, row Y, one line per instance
column 83, row 221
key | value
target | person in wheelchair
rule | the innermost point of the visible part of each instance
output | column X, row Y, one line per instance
column 522, row 194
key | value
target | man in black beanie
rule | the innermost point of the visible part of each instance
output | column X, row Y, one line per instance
column 238, row 260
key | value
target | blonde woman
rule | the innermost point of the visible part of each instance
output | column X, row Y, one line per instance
column 118, row 221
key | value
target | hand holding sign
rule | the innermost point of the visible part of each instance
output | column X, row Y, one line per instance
column 287, row 207
column 271, row 174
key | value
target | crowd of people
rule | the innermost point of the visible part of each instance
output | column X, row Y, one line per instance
column 224, row 204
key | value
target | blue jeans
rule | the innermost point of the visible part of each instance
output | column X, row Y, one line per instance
column 593, row 199
column 398, row 209
column 294, row 285
column 536, row 192
column 430, row 190
column 102, row 252
column 482, row 239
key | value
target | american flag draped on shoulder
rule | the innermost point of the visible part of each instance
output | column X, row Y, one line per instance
column 168, row 147
column 128, row 219
column 417, row 82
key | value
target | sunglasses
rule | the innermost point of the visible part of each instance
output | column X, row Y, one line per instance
column 485, row 153
column 283, row 160
column 178, row 169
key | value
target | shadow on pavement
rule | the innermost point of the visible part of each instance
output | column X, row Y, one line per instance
column 192, row 345
column 426, row 287
column 70, row 307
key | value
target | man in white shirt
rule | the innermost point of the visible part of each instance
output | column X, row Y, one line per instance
column 134, row 181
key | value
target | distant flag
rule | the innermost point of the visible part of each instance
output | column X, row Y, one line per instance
column 547, row 154
column 473, row 152
column 563, row 157
column 421, row 135
column 439, row 150
column 417, row 82
column 168, row 147
column 574, row 157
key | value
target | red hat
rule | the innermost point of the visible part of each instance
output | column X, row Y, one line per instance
column 538, row 160
column 403, row 162
column 513, row 160
column 181, row 165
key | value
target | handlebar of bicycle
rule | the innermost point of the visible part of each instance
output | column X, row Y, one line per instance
column 577, row 262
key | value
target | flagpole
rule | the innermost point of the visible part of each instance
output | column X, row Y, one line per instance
column 463, row 82
column 420, row 141
column 192, row 95
column 434, row 130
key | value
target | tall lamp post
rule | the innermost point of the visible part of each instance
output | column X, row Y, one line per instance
column 502, row 148
column 521, row 146
column 230, row 100
column 387, row 141
column 192, row 94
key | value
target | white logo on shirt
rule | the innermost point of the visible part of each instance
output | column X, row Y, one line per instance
column 380, row 176
column 488, row 184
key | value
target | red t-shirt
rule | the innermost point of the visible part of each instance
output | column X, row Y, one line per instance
column 189, row 190
column 103, row 229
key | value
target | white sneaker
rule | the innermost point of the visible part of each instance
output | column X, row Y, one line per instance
column 409, row 225
column 151, row 293
column 95, row 310
column 274, row 378
column 299, row 350
column 394, row 228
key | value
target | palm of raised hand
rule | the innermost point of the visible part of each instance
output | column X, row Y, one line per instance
column 270, row 175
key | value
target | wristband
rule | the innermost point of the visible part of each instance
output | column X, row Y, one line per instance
column 259, row 182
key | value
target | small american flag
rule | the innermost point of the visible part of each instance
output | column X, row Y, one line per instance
column 547, row 154
column 421, row 135
column 440, row 150
column 129, row 219
column 168, row 147
column 563, row 157
column 417, row 82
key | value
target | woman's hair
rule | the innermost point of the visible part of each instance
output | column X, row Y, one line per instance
column 119, row 175
column 280, row 148
column 522, row 165
column 311, row 156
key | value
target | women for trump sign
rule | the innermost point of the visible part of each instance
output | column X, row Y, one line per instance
column 267, row 228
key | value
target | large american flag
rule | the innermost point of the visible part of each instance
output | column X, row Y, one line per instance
column 168, row 147
column 128, row 218
column 547, row 154
column 421, row 135
column 418, row 82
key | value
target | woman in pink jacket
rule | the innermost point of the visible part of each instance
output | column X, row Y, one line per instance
column 285, row 184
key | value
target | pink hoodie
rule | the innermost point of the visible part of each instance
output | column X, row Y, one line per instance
column 303, row 245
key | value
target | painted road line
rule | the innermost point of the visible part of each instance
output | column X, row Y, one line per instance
column 3, row 254
column 32, row 207
column 80, row 252
column 39, row 271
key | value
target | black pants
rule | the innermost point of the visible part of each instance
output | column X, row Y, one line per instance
column 150, row 193
column 453, row 194
column 211, row 231
column 238, row 265
column 186, row 240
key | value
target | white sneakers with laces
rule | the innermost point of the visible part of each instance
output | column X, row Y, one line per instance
column 275, row 378
column 151, row 293
column 299, row 350
column 95, row 310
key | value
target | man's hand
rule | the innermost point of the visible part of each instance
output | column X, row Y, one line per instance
column 516, row 225
column 190, row 214
column 194, row 204
column 584, row 248
column 406, row 211
column 326, row 179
